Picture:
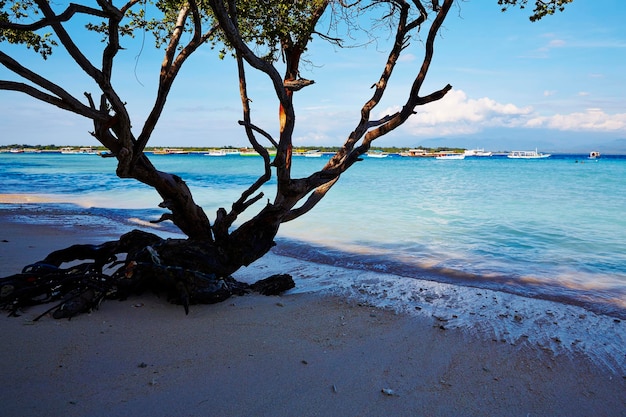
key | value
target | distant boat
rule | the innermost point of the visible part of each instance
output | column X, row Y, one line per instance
column 377, row 154
column 252, row 152
column 477, row 152
column 222, row 152
column 88, row 151
column 450, row 156
column 527, row 155
column 421, row 153
column 313, row 154
column 68, row 150
column 594, row 155
column 170, row 151
column 16, row 150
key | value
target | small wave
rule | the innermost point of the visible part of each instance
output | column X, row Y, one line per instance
column 606, row 299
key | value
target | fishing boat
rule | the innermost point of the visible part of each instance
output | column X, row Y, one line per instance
column 252, row 152
column 68, row 150
column 377, row 154
column 594, row 155
column 450, row 156
column 528, row 155
column 477, row 152
column 422, row 153
column 170, row 151
column 87, row 151
column 222, row 152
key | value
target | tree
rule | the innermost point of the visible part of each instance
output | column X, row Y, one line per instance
column 257, row 38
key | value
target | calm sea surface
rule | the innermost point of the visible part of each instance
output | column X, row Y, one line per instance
column 552, row 228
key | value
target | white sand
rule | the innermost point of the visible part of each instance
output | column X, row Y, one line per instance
column 305, row 354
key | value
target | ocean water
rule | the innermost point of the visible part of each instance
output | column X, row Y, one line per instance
column 548, row 229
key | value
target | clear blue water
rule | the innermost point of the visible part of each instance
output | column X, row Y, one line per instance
column 551, row 228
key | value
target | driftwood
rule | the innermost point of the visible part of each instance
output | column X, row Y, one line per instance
column 180, row 269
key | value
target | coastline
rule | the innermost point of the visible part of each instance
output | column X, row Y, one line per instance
column 305, row 353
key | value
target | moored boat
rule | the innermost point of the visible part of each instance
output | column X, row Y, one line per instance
column 527, row 155
column 68, row 150
column 252, row 152
column 377, row 154
column 450, row 156
column 88, row 151
column 422, row 153
column 477, row 152
column 170, row 151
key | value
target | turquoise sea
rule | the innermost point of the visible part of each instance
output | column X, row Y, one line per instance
column 551, row 229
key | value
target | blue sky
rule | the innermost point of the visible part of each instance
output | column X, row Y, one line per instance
column 557, row 85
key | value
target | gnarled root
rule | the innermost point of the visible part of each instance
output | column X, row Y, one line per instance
column 185, row 271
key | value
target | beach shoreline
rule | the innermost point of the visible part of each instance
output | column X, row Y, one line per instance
column 305, row 353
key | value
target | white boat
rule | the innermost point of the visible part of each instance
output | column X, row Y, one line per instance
column 216, row 152
column 452, row 156
column 594, row 155
column 68, row 150
column 170, row 151
column 313, row 154
column 88, row 151
column 252, row 152
column 527, row 155
column 416, row 153
column 477, row 152
column 377, row 154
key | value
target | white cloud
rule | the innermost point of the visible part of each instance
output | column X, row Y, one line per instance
column 556, row 43
column 592, row 119
column 314, row 139
column 457, row 114
column 408, row 57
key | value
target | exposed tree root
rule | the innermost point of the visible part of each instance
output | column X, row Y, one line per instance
column 181, row 269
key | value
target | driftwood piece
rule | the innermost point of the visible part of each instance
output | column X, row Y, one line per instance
column 274, row 285
column 131, row 243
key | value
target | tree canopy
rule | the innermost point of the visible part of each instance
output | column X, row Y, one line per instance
column 265, row 36
column 258, row 34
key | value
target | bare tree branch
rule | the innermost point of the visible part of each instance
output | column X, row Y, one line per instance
column 314, row 198
column 234, row 37
column 171, row 66
column 67, row 15
column 60, row 97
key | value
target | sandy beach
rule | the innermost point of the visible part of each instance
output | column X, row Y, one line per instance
column 301, row 354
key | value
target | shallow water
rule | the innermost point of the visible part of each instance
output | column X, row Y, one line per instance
column 549, row 229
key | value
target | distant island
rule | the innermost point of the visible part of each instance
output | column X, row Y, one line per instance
column 184, row 149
